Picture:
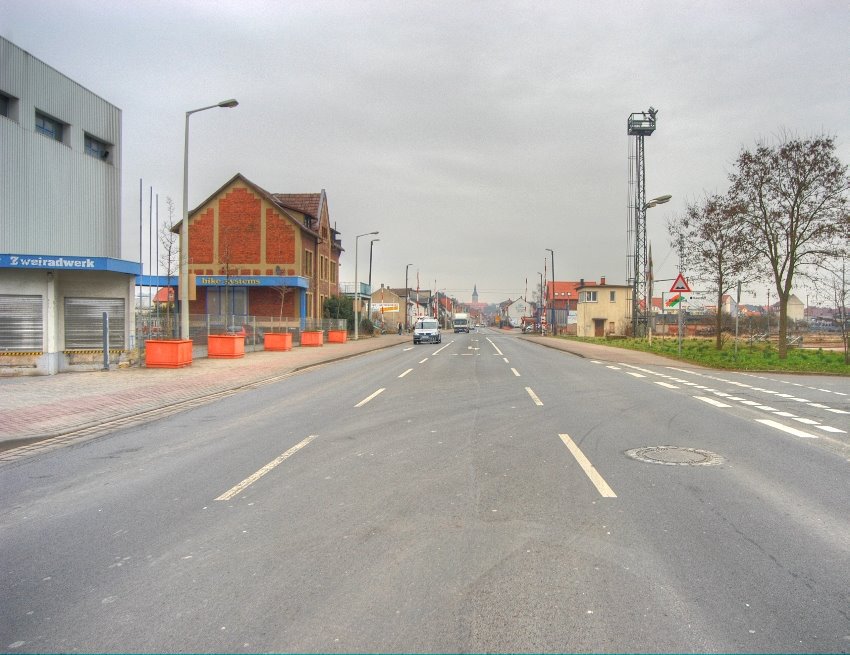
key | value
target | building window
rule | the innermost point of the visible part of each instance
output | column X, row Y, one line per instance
column 308, row 263
column 96, row 148
column 613, row 296
column 49, row 127
column 8, row 106
column 589, row 296
column 334, row 266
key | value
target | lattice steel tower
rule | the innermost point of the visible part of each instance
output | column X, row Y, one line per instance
column 640, row 124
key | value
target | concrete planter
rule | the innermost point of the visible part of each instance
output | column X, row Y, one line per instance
column 337, row 336
column 312, row 338
column 277, row 341
column 168, row 353
column 225, row 346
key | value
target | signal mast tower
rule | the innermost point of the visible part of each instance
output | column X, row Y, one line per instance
column 640, row 124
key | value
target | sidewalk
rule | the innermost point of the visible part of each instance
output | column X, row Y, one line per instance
column 44, row 407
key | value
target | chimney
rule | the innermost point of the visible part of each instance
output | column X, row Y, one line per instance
column 602, row 281
column 581, row 282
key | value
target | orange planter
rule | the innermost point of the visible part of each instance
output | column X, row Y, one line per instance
column 225, row 346
column 168, row 353
column 312, row 338
column 277, row 341
column 337, row 336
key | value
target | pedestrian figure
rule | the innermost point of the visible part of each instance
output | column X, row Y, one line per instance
column 399, row 329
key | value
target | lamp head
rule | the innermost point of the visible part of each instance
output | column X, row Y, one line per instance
column 228, row 103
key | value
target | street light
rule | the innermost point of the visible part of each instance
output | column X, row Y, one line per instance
column 640, row 288
column 542, row 304
column 554, row 325
column 406, row 298
column 357, row 285
column 371, row 243
column 184, row 226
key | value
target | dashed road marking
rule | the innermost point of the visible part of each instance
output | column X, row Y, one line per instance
column 230, row 493
column 405, row 373
column 712, row 401
column 785, row 428
column 366, row 400
column 516, row 372
column 598, row 481
column 666, row 385
column 534, row 397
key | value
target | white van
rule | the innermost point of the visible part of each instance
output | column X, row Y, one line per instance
column 427, row 330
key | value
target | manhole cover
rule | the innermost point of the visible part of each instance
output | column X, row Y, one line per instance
column 674, row 456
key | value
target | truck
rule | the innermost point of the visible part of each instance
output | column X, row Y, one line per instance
column 461, row 322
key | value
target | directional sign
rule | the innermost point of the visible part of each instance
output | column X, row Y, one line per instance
column 680, row 285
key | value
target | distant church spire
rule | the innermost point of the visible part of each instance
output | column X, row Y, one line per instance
column 475, row 293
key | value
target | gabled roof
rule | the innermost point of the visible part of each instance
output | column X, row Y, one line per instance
column 306, row 203
column 270, row 197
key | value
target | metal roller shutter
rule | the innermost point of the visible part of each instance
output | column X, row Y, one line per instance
column 84, row 323
column 21, row 323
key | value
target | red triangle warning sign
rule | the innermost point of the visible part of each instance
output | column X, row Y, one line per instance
column 680, row 285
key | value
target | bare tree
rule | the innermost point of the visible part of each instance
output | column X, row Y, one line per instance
column 713, row 247
column 169, row 258
column 792, row 199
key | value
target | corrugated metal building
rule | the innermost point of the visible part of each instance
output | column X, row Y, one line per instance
column 60, row 222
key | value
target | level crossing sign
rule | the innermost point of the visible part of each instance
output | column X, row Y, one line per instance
column 680, row 285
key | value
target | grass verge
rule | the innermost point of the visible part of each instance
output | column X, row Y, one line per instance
column 755, row 357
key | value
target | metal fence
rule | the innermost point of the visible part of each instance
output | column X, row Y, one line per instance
column 153, row 325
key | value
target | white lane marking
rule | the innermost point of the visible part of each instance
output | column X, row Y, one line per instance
column 828, row 428
column 534, row 397
column 593, row 361
column 799, row 400
column 506, row 360
column 807, row 421
column 635, row 374
column 837, row 411
column 516, row 372
column 818, row 405
column 405, row 373
column 736, row 398
column 664, row 384
column 785, row 428
column 443, row 348
column 230, row 493
column 406, row 349
column 751, row 403
column 839, row 393
column 612, row 367
column 722, row 394
column 598, row 481
column 785, row 395
column 366, row 400
column 496, row 347
column 712, row 401
column 786, row 414
column 766, row 408
column 424, row 360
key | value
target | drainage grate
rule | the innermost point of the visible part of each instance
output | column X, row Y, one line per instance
column 674, row 456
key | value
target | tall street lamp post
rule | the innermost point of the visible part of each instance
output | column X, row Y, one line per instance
column 554, row 323
column 371, row 243
column 357, row 285
column 184, row 226
column 639, row 289
column 406, row 298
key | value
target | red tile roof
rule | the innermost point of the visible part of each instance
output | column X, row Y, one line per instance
column 306, row 203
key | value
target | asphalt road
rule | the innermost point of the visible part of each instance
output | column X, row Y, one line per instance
column 476, row 495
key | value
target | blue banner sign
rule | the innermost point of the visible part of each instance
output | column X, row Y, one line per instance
column 69, row 263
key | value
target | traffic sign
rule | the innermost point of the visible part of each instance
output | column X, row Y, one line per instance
column 680, row 285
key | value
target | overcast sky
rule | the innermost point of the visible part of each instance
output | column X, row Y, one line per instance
column 472, row 135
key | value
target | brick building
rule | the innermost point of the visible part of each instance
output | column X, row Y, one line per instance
column 247, row 246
